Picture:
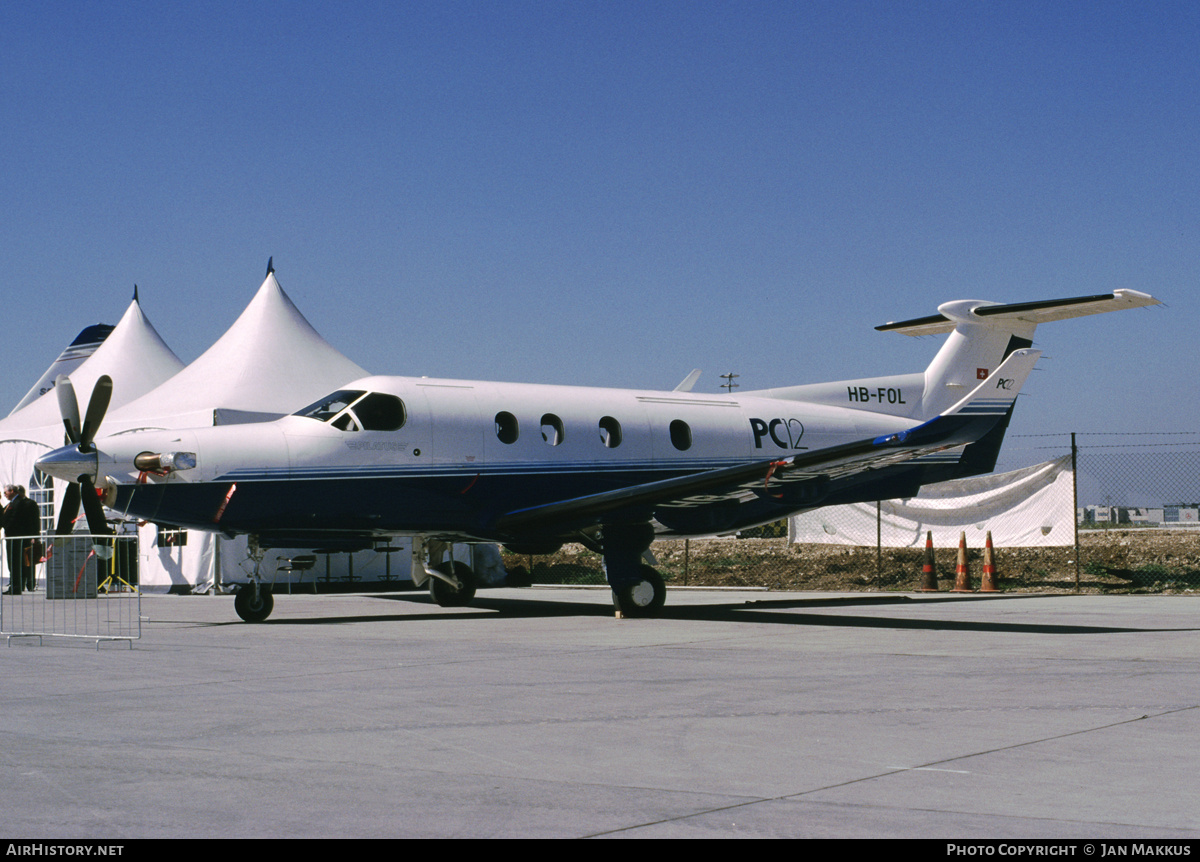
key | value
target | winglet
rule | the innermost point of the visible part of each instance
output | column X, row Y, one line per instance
column 688, row 382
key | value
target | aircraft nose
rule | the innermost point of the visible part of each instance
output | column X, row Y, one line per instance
column 68, row 464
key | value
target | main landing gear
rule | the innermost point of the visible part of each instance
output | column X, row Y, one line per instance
column 638, row 589
column 643, row 598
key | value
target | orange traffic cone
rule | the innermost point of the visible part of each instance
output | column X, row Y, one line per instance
column 962, row 575
column 989, row 568
column 929, row 571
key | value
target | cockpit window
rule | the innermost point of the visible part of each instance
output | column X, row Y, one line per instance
column 328, row 407
column 357, row 410
column 380, row 412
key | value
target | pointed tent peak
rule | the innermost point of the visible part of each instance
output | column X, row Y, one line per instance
column 270, row 265
column 271, row 360
column 133, row 355
column 135, row 299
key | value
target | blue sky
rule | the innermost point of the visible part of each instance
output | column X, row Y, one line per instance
column 614, row 193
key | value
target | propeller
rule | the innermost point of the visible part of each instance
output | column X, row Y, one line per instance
column 68, row 407
column 83, row 487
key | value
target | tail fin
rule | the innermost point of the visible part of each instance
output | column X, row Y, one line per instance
column 983, row 334
column 979, row 420
column 72, row 357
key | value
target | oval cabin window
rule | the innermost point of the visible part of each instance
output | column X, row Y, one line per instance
column 610, row 432
column 507, row 430
column 681, row 435
column 552, row 429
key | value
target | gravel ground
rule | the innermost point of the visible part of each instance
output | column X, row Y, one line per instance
column 1139, row 560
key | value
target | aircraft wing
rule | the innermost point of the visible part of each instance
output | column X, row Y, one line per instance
column 963, row 423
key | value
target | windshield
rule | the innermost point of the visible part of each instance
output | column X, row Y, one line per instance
column 372, row 411
column 330, row 406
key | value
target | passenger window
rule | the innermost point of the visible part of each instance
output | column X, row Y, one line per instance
column 507, row 429
column 681, row 435
column 552, row 429
column 610, row 432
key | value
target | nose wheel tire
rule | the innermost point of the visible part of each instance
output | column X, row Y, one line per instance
column 445, row 594
column 644, row 598
column 253, row 605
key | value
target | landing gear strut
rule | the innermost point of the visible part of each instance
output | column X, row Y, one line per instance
column 638, row 589
column 254, row 601
column 444, row 592
column 643, row 598
column 451, row 583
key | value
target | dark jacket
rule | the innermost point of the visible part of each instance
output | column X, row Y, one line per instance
column 22, row 517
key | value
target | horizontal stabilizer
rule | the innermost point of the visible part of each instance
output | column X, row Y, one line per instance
column 1043, row 311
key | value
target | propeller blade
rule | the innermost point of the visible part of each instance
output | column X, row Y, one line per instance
column 68, row 406
column 68, row 511
column 97, row 407
column 93, row 508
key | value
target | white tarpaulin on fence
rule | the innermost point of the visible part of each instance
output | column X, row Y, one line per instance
column 1031, row 507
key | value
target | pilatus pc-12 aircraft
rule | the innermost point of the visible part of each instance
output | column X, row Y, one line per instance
column 534, row 466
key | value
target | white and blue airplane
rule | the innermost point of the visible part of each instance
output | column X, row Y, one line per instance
column 535, row 466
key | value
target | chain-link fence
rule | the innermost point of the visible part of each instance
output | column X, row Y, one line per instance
column 1136, row 508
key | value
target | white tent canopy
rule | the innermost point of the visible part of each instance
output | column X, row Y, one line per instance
column 270, row 362
column 133, row 355
column 1026, row 508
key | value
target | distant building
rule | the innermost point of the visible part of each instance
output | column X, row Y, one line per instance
column 1181, row 515
column 1145, row 516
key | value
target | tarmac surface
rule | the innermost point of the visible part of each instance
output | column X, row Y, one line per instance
column 536, row 713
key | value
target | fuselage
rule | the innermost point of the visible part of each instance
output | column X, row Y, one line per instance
column 396, row 455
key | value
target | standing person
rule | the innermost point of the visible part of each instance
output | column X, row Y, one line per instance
column 21, row 519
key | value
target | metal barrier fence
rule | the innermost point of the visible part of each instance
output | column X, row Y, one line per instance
column 76, row 586
column 1137, row 511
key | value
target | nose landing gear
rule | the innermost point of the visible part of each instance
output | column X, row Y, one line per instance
column 253, row 602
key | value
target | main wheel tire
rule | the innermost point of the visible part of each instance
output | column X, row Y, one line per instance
column 446, row 595
column 253, row 605
column 644, row 598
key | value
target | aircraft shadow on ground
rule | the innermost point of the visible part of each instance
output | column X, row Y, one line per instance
column 770, row 611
